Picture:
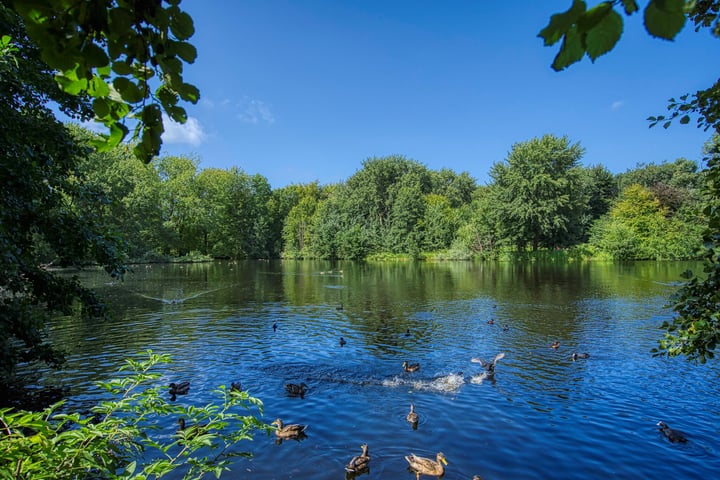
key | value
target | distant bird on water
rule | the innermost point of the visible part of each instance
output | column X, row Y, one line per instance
column 342, row 342
column 339, row 307
column 675, row 436
column 274, row 326
column 411, row 367
column 288, row 431
column 489, row 366
column 412, row 417
column 295, row 389
column 236, row 387
column 577, row 355
column 181, row 388
column 555, row 344
column 359, row 463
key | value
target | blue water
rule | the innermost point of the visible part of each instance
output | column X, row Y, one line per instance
column 542, row 416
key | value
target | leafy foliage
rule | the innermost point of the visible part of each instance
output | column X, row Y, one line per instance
column 127, row 56
column 123, row 437
column 45, row 219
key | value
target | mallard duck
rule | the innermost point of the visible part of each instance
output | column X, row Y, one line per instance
column 555, row 344
column 190, row 431
column 236, row 387
column 411, row 367
column 359, row 463
column 673, row 435
column 491, row 321
column 181, row 388
column 339, row 307
column 576, row 355
column 426, row 466
column 342, row 342
column 288, row 431
column 412, row 417
column 489, row 366
column 295, row 389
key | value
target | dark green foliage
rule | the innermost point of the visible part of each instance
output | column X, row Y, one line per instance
column 46, row 217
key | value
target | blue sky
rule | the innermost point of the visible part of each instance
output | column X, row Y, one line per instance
column 299, row 91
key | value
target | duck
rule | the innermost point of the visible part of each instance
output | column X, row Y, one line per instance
column 288, row 431
column 359, row 463
column 274, row 326
column 555, row 344
column 577, row 355
column 181, row 388
column 295, row 389
column 411, row 367
column 675, row 436
column 491, row 321
column 412, row 417
column 236, row 387
column 489, row 366
column 191, row 431
column 342, row 342
column 339, row 307
column 426, row 466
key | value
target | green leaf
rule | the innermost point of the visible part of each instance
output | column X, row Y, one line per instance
column 182, row 26
column 100, row 107
column 603, row 37
column 73, row 87
column 121, row 67
column 665, row 18
column 592, row 17
column 94, row 55
column 561, row 23
column 128, row 90
column 571, row 51
column 185, row 50
column 97, row 87
column 189, row 93
column 630, row 6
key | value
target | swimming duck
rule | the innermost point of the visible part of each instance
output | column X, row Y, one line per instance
column 555, row 344
column 426, row 466
column 288, row 431
column 339, row 307
column 412, row 417
column 673, row 435
column 274, row 326
column 489, row 366
column 236, row 387
column 181, row 388
column 295, row 389
column 342, row 342
column 191, row 431
column 411, row 367
column 359, row 463
column 491, row 322
column 576, row 355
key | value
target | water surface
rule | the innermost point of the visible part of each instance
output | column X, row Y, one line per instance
column 542, row 416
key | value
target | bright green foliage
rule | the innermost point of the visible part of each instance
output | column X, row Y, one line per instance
column 123, row 438
column 538, row 194
column 127, row 56
column 296, row 229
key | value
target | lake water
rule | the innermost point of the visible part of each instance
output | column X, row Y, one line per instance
column 542, row 416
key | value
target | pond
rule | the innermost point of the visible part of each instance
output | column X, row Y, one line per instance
column 543, row 414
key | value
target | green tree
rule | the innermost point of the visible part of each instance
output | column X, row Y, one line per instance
column 696, row 330
column 538, row 193
column 40, row 189
column 180, row 205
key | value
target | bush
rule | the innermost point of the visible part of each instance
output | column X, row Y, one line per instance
column 122, row 437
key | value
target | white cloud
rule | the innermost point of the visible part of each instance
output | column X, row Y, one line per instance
column 191, row 132
column 255, row 111
column 616, row 105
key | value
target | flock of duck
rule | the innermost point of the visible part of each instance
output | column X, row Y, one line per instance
column 359, row 464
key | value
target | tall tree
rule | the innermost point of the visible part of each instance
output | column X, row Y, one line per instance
column 40, row 187
column 538, row 192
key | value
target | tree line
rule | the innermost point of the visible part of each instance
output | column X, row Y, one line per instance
column 540, row 198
